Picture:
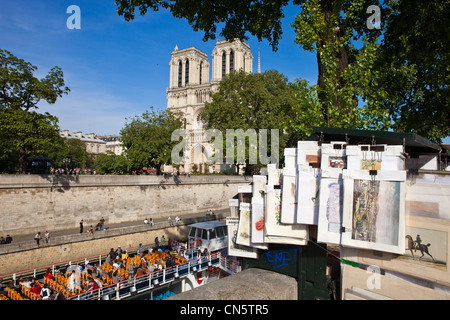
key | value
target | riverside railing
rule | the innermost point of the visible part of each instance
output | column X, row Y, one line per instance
column 129, row 287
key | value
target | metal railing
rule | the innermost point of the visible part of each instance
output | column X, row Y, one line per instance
column 129, row 287
column 97, row 259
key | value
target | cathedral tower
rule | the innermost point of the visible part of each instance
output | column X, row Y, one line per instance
column 190, row 87
column 230, row 56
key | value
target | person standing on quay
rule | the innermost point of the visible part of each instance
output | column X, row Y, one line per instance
column 81, row 226
column 163, row 243
column 38, row 237
column 46, row 237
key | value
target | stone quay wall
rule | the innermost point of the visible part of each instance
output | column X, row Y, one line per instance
column 58, row 202
column 16, row 257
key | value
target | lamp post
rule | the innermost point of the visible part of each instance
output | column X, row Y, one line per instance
column 66, row 163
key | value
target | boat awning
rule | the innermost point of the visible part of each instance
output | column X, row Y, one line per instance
column 208, row 225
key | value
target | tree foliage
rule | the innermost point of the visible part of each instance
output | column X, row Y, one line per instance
column 260, row 18
column 24, row 134
column 346, row 53
column 413, row 66
column 110, row 163
column 147, row 139
column 252, row 101
column 395, row 77
column 72, row 149
column 23, row 131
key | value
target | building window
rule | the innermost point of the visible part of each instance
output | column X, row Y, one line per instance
column 224, row 64
column 201, row 63
column 231, row 61
column 180, row 74
column 186, row 73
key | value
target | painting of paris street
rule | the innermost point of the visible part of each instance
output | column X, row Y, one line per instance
column 376, row 211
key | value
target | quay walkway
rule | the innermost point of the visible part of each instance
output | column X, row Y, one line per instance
column 58, row 237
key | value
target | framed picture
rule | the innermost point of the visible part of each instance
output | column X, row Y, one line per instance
column 245, row 227
column 308, row 152
column 374, row 210
column 333, row 159
column 274, row 230
column 258, row 220
column 375, row 157
column 330, row 210
column 308, row 187
column 235, row 249
column 259, row 181
column 274, row 175
column 427, row 232
column 426, row 253
column 289, row 196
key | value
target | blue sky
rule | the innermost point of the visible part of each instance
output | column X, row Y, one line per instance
column 117, row 69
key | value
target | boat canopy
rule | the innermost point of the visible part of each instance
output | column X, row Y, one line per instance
column 208, row 225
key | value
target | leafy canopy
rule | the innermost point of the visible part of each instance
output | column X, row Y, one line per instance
column 147, row 138
column 346, row 54
column 23, row 131
column 395, row 77
column 252, row 102
column 260, row 18
column 413, row 67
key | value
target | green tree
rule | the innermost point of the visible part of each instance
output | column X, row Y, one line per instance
column 346, row 53
column 24, row 132
column 413, row 67
column 72, row 149
column 78, row 155
column 252, row 101
column 110, row 163
column 261, row 18
column 147, row 139
column 347, row 72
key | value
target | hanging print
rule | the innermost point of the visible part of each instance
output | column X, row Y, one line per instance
column 374, row 210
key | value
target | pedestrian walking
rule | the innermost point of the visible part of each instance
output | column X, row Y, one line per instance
column 156, row 243
column 170, row 221
column 46, row 237
column 163, row 243
column 37, row 238
column 81, row 226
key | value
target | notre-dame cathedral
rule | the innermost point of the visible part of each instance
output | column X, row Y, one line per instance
column 190, row 87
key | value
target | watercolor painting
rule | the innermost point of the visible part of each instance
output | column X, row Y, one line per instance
column 330, row 210
column 376, row 211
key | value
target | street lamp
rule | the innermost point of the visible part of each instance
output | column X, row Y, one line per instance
column 66, row 163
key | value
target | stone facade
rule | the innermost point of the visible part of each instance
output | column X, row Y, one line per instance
column 34, row 202
column 190, row 87
column 93, row 144
column 250, row 284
